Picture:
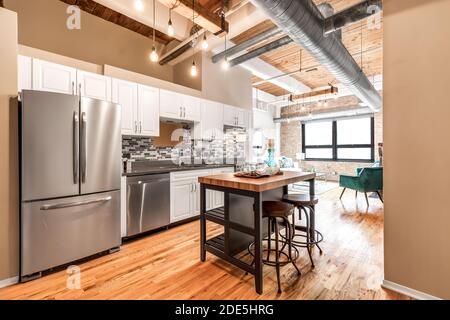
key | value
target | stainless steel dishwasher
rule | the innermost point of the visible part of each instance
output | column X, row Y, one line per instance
column 148, row 203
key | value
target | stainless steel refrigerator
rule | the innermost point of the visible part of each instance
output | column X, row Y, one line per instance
column 70, row 179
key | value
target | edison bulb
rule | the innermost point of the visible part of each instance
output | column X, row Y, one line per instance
column 225, row 64
column 154, row 56
column 139, row 5
column 170, row 30
column 205, row 44
column 194, row 71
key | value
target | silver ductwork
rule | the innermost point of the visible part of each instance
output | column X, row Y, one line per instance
column 303, row 22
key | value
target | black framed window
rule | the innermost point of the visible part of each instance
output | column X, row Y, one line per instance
column 347, row 139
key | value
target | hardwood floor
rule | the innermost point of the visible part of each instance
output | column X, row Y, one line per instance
column 166, row 265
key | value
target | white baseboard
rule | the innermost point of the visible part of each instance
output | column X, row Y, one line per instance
column 407, row 291
column 9, row 282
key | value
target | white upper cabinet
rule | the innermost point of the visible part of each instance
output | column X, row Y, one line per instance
column 140, row 108
column 229, row 115
column 148, row 111
column 53, row 77
column 192, row 108
column 170, row 105
column 179, row 107
column 235, row 117
column 211, row 125
column 126, row 94
column 25, row 66
column 93, row 85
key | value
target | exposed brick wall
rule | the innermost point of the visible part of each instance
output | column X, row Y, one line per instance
column 291, row 140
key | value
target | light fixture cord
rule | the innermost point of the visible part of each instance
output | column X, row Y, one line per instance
column 154, row 16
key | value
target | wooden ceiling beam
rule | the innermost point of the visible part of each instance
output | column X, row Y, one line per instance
column 297, row 97
column 105, row 13
column 205, row 18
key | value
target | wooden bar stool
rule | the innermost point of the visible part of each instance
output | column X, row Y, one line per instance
column 274, row 211
column 313, row 237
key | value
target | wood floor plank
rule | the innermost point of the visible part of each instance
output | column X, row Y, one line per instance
column 166, row 265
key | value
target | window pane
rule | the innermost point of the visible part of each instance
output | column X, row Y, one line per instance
column 319, row 153
column 354, row 131
column 319, row 134
column 355, row 153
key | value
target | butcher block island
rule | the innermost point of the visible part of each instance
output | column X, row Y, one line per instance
column 242, row 216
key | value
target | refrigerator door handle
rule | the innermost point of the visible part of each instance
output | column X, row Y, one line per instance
column 83, row 147
column 76, row 147
column 74, row 204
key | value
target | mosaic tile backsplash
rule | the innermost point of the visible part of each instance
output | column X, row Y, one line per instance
column 232, row 148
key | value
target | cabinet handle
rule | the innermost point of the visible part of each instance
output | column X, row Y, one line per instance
column 73, row 88
column 140, row 126
column 79, row 89
column 181, row 112
column 135, row 127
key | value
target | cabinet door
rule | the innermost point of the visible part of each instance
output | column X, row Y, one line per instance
column 181, row 201
column 53, row 77
column 148, row 111
column 192, row 108
column 25, row 67
column 94, row 86
column 170, row 105
column 212, row 120
column 125, row 94
column 229, row 116
column 241, row 118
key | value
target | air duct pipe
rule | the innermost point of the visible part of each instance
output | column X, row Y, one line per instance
column 303, row 22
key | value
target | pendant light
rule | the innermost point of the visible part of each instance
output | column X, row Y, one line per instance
column 139, row 5
column 170, row 30
column 194, row 71
column 154, row 55
column 205, row 44
column 225, row 63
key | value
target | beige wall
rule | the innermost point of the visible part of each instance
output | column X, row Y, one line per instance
column 42, row 25
column 233, row 87
column 9, row 172
column 417, row 152
column 182, row 72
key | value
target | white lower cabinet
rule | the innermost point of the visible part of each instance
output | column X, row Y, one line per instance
column 181, row 198
column 185, row 194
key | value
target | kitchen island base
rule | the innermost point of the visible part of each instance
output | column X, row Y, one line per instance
column 242, row 216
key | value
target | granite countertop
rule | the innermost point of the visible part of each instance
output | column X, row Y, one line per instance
column 155, row 167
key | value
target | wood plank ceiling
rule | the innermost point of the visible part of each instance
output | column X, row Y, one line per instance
column 118, row 18
column 287, row 58
column 99, row 10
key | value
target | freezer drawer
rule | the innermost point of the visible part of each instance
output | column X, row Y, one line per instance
column 148, row 203
column 60, row 231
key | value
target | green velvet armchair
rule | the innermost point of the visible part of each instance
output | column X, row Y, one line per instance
column 366, row 180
